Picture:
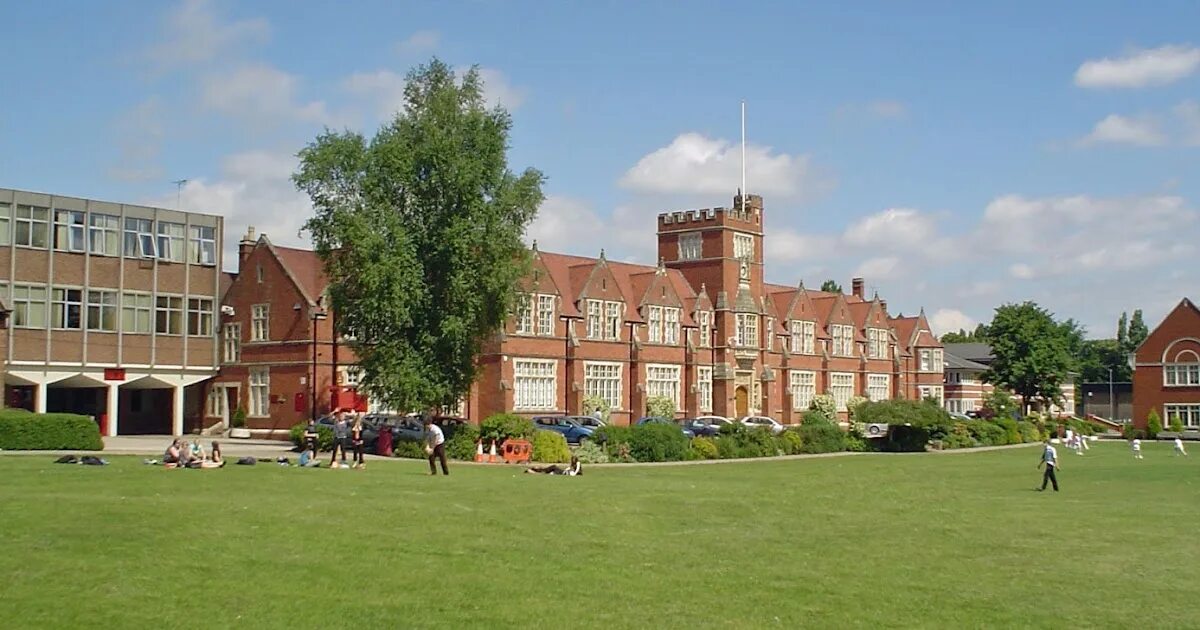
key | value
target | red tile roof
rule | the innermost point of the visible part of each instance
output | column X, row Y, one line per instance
column 305, row 268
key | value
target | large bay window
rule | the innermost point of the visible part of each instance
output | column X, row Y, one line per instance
column 704, row 378
column 534, row 384
column 747, row 330
column 879, row 387
column 804, row 337
column 841, row 386
column 803, row 385
column 663, row 380
column 603, row 380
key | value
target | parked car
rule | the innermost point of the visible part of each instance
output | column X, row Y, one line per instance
column 961, row 417
column 763, row 422
column 370, row 434
column 657, row 420
column 591, row 422
column 569, row 428
column 705, row 426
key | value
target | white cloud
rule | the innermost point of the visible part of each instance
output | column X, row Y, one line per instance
column 888, row 109
column 879, row 268
column 1118, row 129
column 903, row 228
column 260, row 93
column 384, row 87
column 694, row 164
column 419, row 42
column 563, row 224
column 946, row 320
column 1188, row 113
column 497, row 89
column 194, row 34
column 1140, row 68
column 787, row 246
column 1021, row 271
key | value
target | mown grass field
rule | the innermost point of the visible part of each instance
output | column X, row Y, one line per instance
column 936, row 540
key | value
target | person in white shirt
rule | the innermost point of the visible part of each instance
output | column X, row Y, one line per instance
column 1050, row 461
column 1137, row 448
column 1179, row 447
column 435, row 445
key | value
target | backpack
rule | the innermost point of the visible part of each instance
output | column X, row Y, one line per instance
column 91, row 460
column 247, row 461
column 66, row 459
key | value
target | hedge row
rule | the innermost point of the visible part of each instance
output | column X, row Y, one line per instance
column 24, row 431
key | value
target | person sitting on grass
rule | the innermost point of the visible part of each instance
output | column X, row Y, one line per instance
column 573, row 470
column 214, row 457
column 173, row 457
column 308, row 459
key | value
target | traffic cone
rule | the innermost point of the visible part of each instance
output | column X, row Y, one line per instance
column 479, row 451
column 492, row 453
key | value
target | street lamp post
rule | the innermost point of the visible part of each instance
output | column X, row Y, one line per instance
column 1112, row 402
column 312, row 404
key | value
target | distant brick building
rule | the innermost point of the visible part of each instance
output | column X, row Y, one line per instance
column 966, row 390
column 1166, row 374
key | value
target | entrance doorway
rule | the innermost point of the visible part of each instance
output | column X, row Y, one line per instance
column 742, row 401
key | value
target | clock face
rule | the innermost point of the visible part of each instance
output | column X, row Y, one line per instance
column 745, row 270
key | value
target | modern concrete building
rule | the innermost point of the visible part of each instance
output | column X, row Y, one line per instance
column 112, row 309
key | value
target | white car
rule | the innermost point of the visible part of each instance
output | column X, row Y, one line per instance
column 763, row 422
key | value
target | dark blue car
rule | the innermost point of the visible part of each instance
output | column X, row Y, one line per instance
column 656, row 420
column 569, row 429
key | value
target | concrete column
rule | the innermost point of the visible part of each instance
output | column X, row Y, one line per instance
column 114, row 397
column 39, row 397
column 177, row 410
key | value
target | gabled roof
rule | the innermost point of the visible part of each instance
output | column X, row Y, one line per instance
column 570, row 273
column 303, row 266
column 975, row 352
column 1185, row 305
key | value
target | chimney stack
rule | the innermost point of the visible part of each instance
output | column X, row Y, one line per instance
column 856, row 287
column 883, row 305
column 245, row 246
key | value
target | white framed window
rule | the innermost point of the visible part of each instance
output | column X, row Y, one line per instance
column 168, row 315
column 170, row 241
column 200, row 317
column 1188, row 414
column 104, row 235
column 139, row 238
column 603, row 380
column 612, row 320
column 803, row 385
column 934, row 392
column 663, row 380
column 545, row 315
column 524, row 316
column 31, row 227
column 260, row 322
column 102, row 310
column 743, row 246
column 534, row 384
column 841, row 386
column 954, row 405
column 595, row 319
column 843, row 340
column 747, row 330
column 879, row 387
column 931, row 360
column 29, row 306
column 704, row 378
column 351, row 376
column 260, row 392
column 671, row 326
column 5, row 224
column 202, row 245
column 66, row 308
column 877, row 343
column 69, row 228
column 654, row 323
column 1181, row 374
column 216, row 402
column 137, row 312
column 804, row 337
column 704, row 318
column 232, row 343
column 691, row 246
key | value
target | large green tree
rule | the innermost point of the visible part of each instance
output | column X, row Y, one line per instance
column 1098, row 356
column 420, row 231
column 963, row 336
column 1033, row 353
column 1137, row 330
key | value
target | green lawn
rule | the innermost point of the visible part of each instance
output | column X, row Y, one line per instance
column 946, row 540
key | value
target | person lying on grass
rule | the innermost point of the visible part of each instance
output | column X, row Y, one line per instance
column 571, row 471
column 214, row 457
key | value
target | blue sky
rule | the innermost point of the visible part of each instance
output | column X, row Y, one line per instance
column 957, row 155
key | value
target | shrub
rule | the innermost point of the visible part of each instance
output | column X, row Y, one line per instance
column 461, row 444
column 1131, row 432
column 655, row 442
column 239, row 418
column 502, row 426
column 590, row 452
column 1153, row 424
column 660, row 407
column 1029, row 431
column 912, row 424
column 409, row 449
column 822, row 438
column 610, row 436
column 856, row 443
column 704, row 448
column 985, row 433
column 592, row 404
column 906, row 439
column 739, row 441
column 24, row 431
column 1000, row 404
column 814, row 416
column 550, row 447
column 824, row 403
column 324, row 436
column 1012, row 433
column 852, row 406
column 1176, row 424
column 791, row 441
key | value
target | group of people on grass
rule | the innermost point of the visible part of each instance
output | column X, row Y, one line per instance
column 1049, row 459
column 180, row 454
column 345, row 435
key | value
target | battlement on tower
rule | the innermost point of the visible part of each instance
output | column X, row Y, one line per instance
column 748, row 217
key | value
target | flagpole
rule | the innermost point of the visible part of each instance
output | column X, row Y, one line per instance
column 744, row 192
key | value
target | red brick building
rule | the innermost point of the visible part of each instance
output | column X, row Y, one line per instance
column 1166, row 374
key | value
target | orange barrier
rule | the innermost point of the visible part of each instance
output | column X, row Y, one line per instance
column 517, row 451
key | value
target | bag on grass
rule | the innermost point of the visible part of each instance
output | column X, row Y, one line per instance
column 91, row 460
column 247, row 461
column 66, row 459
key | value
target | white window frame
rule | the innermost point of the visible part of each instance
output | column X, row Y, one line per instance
column 200, row 317
column 260, row 322
column 746, row 334
column 215, row 408
column 34, row 226
column 5, row 224
column 139, row 238
column 803, row 385
column 202, row 245
column 232, row 342
column 101, row 310
column 879, row 387
column 524, row 314
column 70, row 226
column 663, row 379
column 545, row 315
column 137, row 313
column 937, row 392
column 535, row 384
column 877, row 343
column 595, row 319
column 169, row 314
column 63, row 302
column 1188, row 413
column 1181, row 374
column 654, row 324
column 804, row 337
column 604, row 379
column 691, row 246
column 671, row 326
column 841, row 387
column 172, row 241
column 30, row 306
column 704, row 318
column 743, row 246
column 104, row 235
column 704, row 388
column 260, row 392
column 931, row 360
column 612, row 320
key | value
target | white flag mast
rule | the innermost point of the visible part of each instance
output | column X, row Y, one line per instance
column 744, row 191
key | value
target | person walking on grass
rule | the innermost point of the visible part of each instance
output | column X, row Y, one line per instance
column 1137, row 448
column 357, row 441
column 1050, row 462
column 435, row 445
column 1179, row 447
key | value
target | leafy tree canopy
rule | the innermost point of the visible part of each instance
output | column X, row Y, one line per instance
column 1032, row 352
column 829, row 286
column 420, row 231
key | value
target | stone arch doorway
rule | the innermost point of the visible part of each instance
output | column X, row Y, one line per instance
column 741, row 401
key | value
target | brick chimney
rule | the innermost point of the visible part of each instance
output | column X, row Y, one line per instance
column 245, row 246
column 856, row 286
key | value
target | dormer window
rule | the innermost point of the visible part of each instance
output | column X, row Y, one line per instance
column 804, row 337
column 843, row 340
column 662, row 325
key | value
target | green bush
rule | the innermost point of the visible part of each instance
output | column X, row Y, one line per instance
column 791, row 441
column 1131, row 432
column 590, row 452
column 1153, row 424
column 856, row 443
column 502, row 426
column 592, row 404
column 550, row 447
column 905, row 439
column 1176, row 424
column 822, row 438
column 1029, row 431
column 409, row 449
column 24, row 431
column 959, row 436
column 461, row 444
column 324, row 436
column 704, row 448
column 660, row 407
column 611, row 436
column 655, row 442
column 985, row 433
column 1012, row 433
column 825, row 404
column 239, row 418
column 739, row 441
column 814, row 416
column 852, row 406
